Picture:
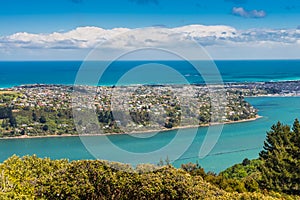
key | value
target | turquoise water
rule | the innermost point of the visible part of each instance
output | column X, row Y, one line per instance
column 237, row 141
column 64, row 72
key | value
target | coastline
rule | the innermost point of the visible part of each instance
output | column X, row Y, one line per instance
column 274, row 95
column 141, row 131
column 134, row 132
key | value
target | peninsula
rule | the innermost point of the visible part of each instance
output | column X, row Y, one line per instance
column 46, row 110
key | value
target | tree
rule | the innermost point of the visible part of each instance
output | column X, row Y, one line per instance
column 22, row 132
column 45, row 128
column 295, row 152
column 193, row 169
column 246, row 162
column 34, row 117
column 280, row 166
column 43, row 119
column 169, row 124
column 12, row 121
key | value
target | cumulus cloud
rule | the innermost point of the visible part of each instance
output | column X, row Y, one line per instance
column 241, row 12
column 91, row 37
column 81, row 37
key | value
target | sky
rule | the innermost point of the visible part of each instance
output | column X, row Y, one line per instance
column 227, row 29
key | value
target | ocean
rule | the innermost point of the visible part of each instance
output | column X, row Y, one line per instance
column 64, row 72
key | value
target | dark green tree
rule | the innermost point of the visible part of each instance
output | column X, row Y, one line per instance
column 34, row 116
column 45, row 127
column 5, row 112
column 246, row 162
column 43, row 119
column 295, row 153
column 280, row 166
column 12, row 121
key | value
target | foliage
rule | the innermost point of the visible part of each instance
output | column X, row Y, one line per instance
column 240, row 171
column 238, row 178
column 5, row 112
column 277, row 168
column 30, row 177
column 281, row 159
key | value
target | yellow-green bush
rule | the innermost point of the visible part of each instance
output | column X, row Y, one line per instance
column 30, row 177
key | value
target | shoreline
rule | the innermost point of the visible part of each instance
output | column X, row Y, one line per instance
column 134, row 132
column 273, row 95
column 11, row 86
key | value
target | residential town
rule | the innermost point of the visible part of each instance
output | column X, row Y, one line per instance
column 283, row 88
column 49, row 109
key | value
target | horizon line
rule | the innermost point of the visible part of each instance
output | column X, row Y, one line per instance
column 140, row 60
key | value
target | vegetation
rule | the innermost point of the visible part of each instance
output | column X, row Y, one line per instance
column 30, row 177
column 238, row 178
column 281, row 159
column 276, row 170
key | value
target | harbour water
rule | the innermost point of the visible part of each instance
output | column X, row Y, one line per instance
column 237, row 141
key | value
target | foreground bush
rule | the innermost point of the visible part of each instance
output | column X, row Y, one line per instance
column 30, row 177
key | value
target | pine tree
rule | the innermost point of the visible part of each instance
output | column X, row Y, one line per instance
column 295, row 152
column 281, row 159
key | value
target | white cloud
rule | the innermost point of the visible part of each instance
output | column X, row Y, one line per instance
column 240, row 11
column 90, row 37
column 81, row 37
column 213, row 38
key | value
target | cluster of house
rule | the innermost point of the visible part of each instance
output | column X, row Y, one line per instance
column 186, row 104
column 39, row 96
column 154, row 98
column 280, row 88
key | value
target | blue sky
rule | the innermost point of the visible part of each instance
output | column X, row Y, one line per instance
column 48, row 16
column 57, row 15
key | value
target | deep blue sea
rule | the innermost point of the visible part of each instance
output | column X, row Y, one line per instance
column 65, row 72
